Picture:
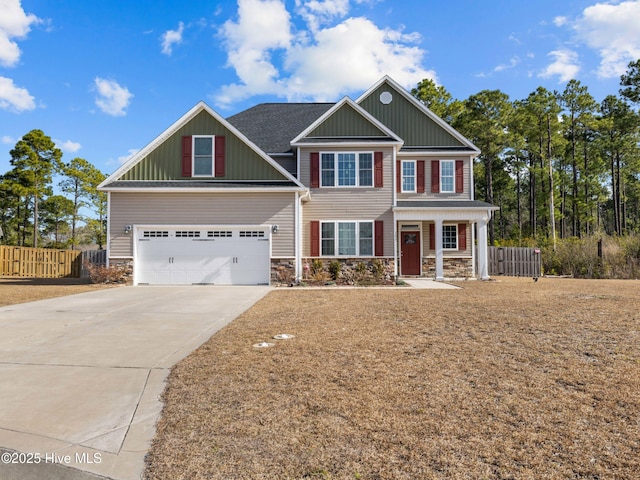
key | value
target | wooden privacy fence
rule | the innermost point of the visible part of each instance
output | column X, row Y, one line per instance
column 515, row 261
column 45, row 262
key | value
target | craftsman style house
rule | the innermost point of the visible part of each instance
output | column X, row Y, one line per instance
column 237, row 200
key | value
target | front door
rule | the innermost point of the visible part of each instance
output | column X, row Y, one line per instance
column 410, row 253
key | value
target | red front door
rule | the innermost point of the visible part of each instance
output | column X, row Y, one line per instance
column 410, row 252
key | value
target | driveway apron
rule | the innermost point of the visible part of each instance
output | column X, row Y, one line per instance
column 81, row 376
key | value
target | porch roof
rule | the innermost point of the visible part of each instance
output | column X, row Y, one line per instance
column 445, row 210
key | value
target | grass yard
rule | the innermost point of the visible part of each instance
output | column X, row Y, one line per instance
column 507, row 379
column 19, row 290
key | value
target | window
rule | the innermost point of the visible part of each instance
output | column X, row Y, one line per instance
column 450, row 237
column 352, row 239
column 346, row 169
column 203, row 156
column 408, row 176
column 447, row 176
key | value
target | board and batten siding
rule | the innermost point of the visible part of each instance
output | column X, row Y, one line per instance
column 339, row 203
column 143, row 208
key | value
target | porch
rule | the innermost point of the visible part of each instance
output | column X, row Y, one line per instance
column 432, row 235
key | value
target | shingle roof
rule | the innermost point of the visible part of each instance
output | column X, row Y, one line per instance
column 272, row 126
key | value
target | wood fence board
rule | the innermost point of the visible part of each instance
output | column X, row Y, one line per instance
column 39, row 262
column 515, row 261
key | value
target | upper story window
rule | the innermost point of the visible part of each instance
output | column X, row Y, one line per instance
column 408, row 176
column 447, row 176
column 346, row 169
column 203, row 155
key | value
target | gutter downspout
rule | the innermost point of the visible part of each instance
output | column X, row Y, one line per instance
column 300, row 196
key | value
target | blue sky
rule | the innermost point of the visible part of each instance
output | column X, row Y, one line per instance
column 104, row 78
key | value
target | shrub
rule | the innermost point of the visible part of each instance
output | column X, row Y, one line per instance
column 104, row 274
column 334, row 269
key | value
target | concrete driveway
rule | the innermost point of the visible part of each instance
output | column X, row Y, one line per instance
column 81, row 376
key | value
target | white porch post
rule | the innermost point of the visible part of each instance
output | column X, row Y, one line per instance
column 483, row 255
column 439, row 252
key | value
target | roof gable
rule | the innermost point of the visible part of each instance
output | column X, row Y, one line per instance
column 346, row 121
column 418, row 126
column 161, row 159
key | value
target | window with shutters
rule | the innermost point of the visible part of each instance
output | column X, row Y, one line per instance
column 450, row 237
column 346, row 169
column 347, row 239
column 447, row 176
column 408, row 176
column 203, row 155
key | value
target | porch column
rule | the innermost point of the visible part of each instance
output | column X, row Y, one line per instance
column 439, row 252
column 483, row 255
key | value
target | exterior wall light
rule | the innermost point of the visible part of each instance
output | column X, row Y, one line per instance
column 127, row 229
column 274, row 229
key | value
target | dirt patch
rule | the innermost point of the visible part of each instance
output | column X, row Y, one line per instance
column 20, row 290
column 508, row 379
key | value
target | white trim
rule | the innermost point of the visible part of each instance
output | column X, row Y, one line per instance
column 108, row 227
column 449, row 224
column 336, row 169
column 203, row 190
column 193, row 156
column 453, row 177
column 422, row 107
column 199, row 107
column 336, row 244
column 346, row 100
column 415, row 176
column 297, row 246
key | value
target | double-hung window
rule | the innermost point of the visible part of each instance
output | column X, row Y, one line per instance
column 408, row 176
column 347, row 239
column 447, row 176
column 203, row 155
column 346, row 169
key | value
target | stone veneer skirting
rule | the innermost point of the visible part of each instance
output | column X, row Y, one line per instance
column 453, row 267
column 352, row 270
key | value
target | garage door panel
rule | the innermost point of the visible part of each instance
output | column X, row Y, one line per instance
column 204, row 255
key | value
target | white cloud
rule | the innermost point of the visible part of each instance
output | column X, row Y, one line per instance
column 328, row 59
column 565, row 65
column 14, row 24
column 614, row 31
column 124, row 158
column 171, row 38
column 112, row 98
column 560, row 21
column 7, row 140
column 14, row 98
column 515, row 60
column 68, row 146
column 319, row 12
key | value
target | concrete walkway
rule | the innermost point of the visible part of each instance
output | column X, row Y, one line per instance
column 428, row 283
column 81, row 376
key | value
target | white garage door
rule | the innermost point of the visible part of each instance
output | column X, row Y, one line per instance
column 202, row 255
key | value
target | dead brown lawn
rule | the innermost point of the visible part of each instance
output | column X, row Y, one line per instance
column 20, row 290
column 498, row 380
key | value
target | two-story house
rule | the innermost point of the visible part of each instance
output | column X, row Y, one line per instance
column 232, row 201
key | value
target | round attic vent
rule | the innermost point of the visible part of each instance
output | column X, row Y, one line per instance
column 385, row 98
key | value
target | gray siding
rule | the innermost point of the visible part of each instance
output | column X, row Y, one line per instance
column 349, row 203
column 202, row 209
column 427, row 252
